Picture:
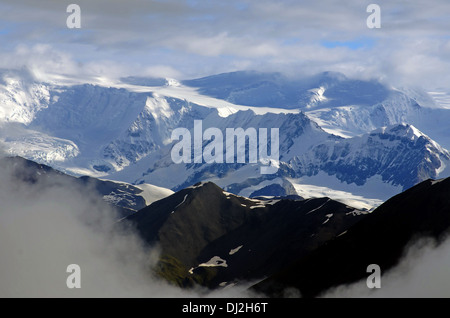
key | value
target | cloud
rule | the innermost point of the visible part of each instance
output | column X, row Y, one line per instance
column 49, row 225
column 198, row 38
column 46, row 226
column 423, row 272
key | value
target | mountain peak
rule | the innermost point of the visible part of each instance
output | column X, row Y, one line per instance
column 411, row 133
column 403, row 129
column 401, row 154
column 205, row 188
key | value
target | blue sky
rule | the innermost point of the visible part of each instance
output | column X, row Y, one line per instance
column 186, row 39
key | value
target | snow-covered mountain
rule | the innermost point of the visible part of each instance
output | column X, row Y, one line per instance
column 340, row 105
column 331, row 139
column 21, row 97
column 254, row 88
column 361, row 171
column 298, row 134
column 412, row 107
column 400, row 154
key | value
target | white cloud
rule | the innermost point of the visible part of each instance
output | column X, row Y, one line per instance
column 219, row 36
column 46, row 226
column 423, row 272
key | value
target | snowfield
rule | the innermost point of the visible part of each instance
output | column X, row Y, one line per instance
column 121, row 130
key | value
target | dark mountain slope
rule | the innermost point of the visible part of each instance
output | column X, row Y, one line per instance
column 380, row 238
column 214, row 237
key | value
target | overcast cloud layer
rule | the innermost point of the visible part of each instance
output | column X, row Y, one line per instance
column 186, row 39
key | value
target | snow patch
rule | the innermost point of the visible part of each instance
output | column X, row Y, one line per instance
column 257, row 206
column 152, row 193
column 195, row 186
column 369, row 196
column 234, row 250
column 215, row 261
column 317, row 96
column 185, row 197
column 318, row 207
column 437, row 181
column 329, row 216
column 356, row 212
column 192, row 95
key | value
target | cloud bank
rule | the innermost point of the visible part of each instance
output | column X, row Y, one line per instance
column 194, row 38
column 48, row 225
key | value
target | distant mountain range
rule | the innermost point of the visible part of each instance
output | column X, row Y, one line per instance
column 254, row 88
column 357, row 141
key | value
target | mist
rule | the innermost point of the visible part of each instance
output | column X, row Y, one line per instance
column 423, row 272
column 48, row 225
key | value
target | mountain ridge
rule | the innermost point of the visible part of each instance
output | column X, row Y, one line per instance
column 421, row 211
column 124, row 133
column 222, row 238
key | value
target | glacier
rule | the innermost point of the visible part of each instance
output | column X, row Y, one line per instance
column 336, row 133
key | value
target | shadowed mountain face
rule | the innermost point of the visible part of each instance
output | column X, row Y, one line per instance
column 216, row 238
column 380, row 238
